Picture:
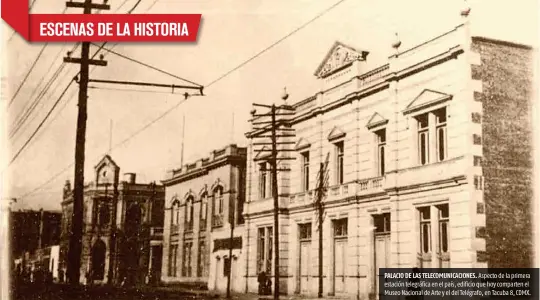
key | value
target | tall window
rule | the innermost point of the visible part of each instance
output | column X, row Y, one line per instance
column 186, row 266
column 173, row 256
column 104, row 215
column 200, row 258
column 264, row 249
column 217, row 207
column 381, row 148
column 443, row 235
column 262, row 180
column 189, row 214
column 425, row 230
column 305, row 171
column 423, row 138
column 440, row 118
column 175, row 215
column 204, row 209
column 339, row 162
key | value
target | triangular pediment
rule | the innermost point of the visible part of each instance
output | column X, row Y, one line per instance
column 263, row 153
column 376, row 120
column 336, row 133
column 426, row 99
column 338, row 57
column 106, row 170
column 302, row 144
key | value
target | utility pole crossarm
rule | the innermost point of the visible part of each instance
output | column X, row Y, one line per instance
column 72, row 4
column 94, row 62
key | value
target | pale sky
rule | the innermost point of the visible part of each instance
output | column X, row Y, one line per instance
column 231, row 32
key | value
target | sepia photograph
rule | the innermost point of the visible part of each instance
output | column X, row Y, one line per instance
column 270, row 150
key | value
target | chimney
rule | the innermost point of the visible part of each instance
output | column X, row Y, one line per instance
column 129, row 178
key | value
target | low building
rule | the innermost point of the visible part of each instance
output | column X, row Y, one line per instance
column 35, row 235
column 428, row 159
column 204, row 220
column 122, row 228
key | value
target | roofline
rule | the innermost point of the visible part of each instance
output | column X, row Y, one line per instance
column 501, row 42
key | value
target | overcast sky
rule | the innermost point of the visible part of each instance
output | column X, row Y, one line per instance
column 231, row 32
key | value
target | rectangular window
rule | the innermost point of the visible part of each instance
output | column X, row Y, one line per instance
column 339, row 162
column 478, row 182
column 173, row 257
column 200, row 259
column 423, row 138
column 440, row 117
column 204, row 209
column 425, row 229
column 186, row 267
column 382, row 223
column 264, row 249
column 305, row 171
column 340, row 228
column 443, row 228
column 381, row 148
column 262, row 180
column 304, row 231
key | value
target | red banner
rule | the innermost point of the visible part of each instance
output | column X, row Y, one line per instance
column 99, row 27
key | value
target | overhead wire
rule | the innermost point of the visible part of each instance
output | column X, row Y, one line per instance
column 58, row 100
column 28, row 110
column 164, row 114
column 221, row 77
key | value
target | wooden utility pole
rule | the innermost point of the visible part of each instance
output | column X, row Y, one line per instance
column 275, row 195
column 276, row 129
column 320, row 193
column 75, row 241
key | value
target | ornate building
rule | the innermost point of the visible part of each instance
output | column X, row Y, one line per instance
column 122, row 228
column 425, row 157
column 204, row 221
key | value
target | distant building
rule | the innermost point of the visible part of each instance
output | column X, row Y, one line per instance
column 429, row 164
column 35, row 236
column 203, row 200
column 123, row 228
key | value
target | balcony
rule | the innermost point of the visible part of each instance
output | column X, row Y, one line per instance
column 265, row 205
column 156, row 233
column 362, row 187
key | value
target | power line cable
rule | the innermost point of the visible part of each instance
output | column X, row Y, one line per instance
column 27, row 113
column 40, row 124
column 27, row 74
column 161, row 116
column 58, row 100
column 148, row 66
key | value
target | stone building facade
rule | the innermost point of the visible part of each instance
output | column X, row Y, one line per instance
column 122, row 228
column 204, row 199
column 428, row 164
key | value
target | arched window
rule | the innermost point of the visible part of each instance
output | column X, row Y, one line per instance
column 189, row 214
column 217, row 207
column 204, row 209
column 98, row 260
column 175, row 212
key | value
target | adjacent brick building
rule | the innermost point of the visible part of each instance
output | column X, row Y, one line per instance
column 204, row 199
column 429, row 162
column 122, row 228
